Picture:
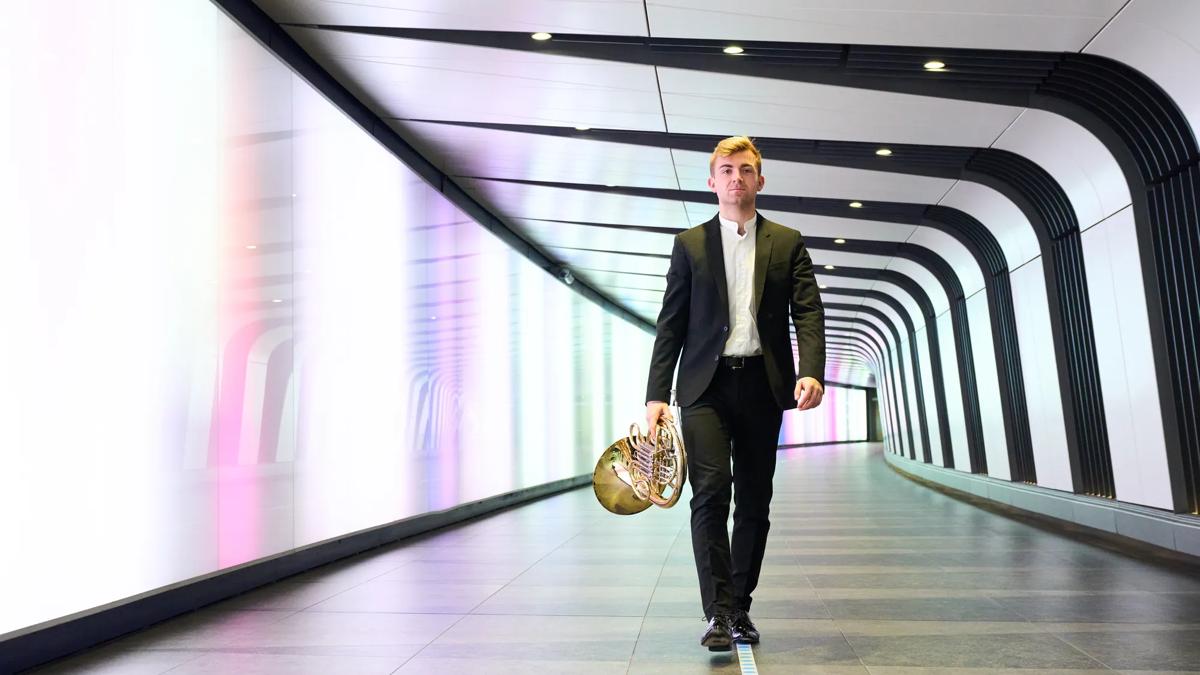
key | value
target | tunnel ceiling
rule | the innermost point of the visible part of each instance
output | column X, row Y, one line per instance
column 593, row 145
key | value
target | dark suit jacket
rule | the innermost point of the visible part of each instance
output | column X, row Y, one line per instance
column 695, row 313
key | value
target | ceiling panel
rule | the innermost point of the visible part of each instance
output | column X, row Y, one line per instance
column 470, row 151
column 1000, row 215
column 714, row 103
column 970, row 275
column 923, row 277
column 558, row 233
column 1081, row 164
column 617, row 280
column 846, row 228
column 1042, row 25
column 430, row 80
column 900, row 295
column 611, row 17
column 840, row 299
column 813, row 180
column 611, row 260
column 549, row 203
column 1161, row 39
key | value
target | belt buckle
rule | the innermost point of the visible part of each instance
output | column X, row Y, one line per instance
column 736, row 362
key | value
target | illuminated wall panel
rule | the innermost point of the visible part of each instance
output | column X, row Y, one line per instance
column 243, row 326
column 842, row 416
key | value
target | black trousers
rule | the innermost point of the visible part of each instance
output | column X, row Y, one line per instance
column 736, row 421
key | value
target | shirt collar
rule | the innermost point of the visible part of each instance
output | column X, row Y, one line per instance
column 732, row 226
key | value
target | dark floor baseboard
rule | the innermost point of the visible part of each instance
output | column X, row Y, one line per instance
column 46, row 642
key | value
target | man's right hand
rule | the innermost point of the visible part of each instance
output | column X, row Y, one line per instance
column 655, row 410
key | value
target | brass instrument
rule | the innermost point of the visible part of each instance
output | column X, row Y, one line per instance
column 637, row 471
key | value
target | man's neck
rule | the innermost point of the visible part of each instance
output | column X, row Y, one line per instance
column 737, row 214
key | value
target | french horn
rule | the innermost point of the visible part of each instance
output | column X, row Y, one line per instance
column 637, row 471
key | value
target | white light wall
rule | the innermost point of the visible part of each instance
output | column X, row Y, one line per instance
column 235, row 325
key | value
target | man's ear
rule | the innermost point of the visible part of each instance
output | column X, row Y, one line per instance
column 712, row 184
column 761, row 181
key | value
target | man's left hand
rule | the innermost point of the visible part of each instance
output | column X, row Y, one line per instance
column 809, row 393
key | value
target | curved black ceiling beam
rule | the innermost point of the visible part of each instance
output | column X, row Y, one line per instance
column 873, row 409
column 835, row 334
column 861, row 359
column 877, row 342
column 986, row 250
column 953, row 221
column 902, row 312
column 847, row 356
column 923, row 425
column 918, row 294
column 945, row 275
column 1139, row 123
column 848, row 344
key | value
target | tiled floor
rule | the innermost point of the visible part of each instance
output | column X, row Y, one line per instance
column 866, row 572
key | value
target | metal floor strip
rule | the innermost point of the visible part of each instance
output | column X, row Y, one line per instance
column 746, row 659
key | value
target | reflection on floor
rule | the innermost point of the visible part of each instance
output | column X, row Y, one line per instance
column 866, row 572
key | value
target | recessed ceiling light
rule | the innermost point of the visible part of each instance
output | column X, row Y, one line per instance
column 935, row 65
column 829, row 267
column 581, row 127
column 839, row 241
column 251, row 246
column 541, row 36
column 856, row 205
column 276, row 300
column 733, row 49
column 883, row 152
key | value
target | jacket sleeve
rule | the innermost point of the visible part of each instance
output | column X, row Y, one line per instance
column 671, row 329
column 808, row 315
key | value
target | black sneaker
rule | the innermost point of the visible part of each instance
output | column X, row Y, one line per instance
column 717, row 636
column 742, row 629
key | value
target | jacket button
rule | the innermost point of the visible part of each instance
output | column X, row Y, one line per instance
column 725, row 329
column 717, row 358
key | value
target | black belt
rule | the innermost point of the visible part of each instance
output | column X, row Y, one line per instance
column 736, row 362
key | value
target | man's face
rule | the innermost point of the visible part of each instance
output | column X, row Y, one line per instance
column 735, row 179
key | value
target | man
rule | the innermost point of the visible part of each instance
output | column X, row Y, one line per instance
column 733, row 284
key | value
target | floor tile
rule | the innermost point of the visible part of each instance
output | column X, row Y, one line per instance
column 222, row 663
column 617, row 600
column 120, row 660
column 538, row 638
column 1160, row 650
column 923, row 609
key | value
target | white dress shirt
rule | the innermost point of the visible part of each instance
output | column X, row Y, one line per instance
column 739, row 279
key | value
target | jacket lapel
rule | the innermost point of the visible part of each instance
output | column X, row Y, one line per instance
column 716, row 262
column 762, row 258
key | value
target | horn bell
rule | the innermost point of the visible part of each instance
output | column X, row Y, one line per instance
column 612, row 483
column 637, row 471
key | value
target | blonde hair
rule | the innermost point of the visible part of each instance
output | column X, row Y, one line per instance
column 732, row 146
